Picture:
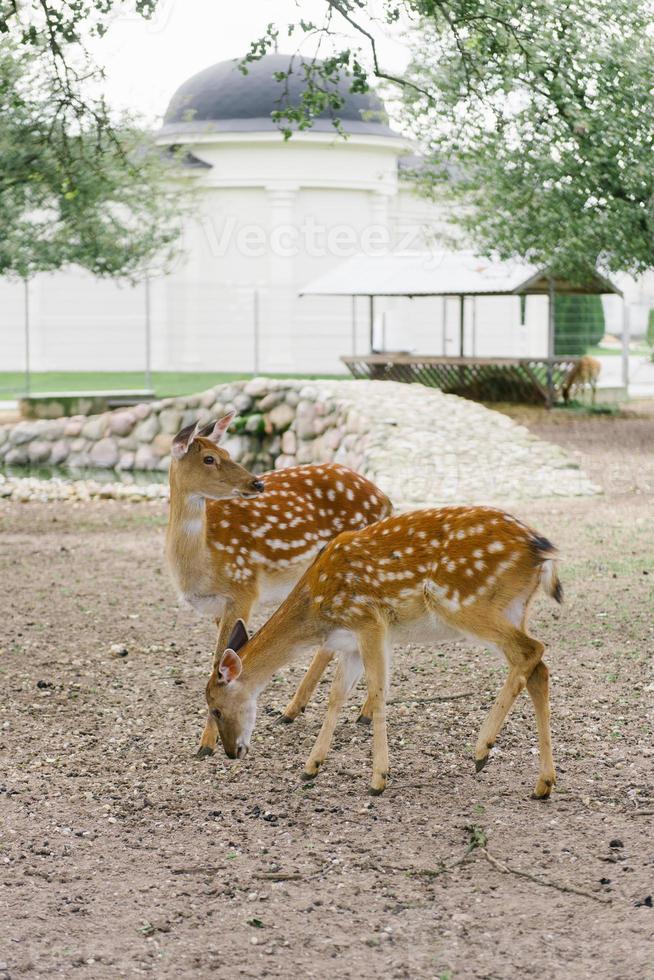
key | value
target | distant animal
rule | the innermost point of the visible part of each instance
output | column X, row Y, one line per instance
column 419, row 577
column 227, row 552
column 584, row 374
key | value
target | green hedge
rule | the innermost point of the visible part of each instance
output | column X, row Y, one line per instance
column 578, row 324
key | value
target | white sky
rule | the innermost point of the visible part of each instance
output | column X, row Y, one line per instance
column 146, row 61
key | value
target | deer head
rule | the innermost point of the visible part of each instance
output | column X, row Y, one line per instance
column 200, row 467
column 232, row 704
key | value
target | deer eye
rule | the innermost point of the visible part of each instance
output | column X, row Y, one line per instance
column 208, row 460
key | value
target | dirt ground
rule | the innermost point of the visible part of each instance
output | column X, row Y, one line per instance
column 122, row 855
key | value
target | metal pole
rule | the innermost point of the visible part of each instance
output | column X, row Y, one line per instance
column 28, row 384
column 354, row 326
column 255, row 325
column 148, row 339
column 550, row 342
column 371, row 322
column 474, row 326
column 625, row 344
column 461, row 324
column 444, row 338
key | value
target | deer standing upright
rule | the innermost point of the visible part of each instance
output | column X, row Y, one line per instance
column 227, row 552
column 424, row 576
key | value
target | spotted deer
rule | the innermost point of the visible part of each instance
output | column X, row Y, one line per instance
column 584, row 374
column 235, row 540
column 423, row 577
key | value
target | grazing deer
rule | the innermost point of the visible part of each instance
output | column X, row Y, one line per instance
column 420, row 577
column 228, row 552
column 585, row 373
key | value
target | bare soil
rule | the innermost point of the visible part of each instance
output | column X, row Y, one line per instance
column 122, row 855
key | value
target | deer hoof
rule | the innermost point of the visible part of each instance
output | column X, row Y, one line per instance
column 480, row 763
column 203, row 752
column 543, row 789
column 285, row 720
column 364, row 720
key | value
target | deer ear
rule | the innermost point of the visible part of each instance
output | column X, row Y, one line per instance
column 218, row 429
column 239, row 636
column 183, row 440
column 229, row 668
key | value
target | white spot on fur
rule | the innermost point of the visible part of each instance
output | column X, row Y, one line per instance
column 494, row 547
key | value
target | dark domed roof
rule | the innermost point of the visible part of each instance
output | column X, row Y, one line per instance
column 222, row 99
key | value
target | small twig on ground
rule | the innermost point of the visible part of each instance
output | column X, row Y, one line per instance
column 444, row 697
column 202, row 870
column 639, row 813
column 436, row 872
column 280, row 876
column 505, row 869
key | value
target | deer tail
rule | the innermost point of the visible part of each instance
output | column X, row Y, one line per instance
column 545, row 556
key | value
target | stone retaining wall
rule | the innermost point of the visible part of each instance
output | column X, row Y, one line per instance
column 418, row 444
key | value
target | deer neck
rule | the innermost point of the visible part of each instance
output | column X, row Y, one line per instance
column 289, row 632
column 186, row 535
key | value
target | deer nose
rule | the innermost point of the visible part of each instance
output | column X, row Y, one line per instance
column 257, row 485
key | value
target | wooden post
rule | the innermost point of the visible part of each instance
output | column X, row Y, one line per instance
column 461, row 324
column 550, row 343
column 625, row 344
column 474, row 326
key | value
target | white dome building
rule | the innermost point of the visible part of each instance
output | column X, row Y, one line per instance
column 275, row 214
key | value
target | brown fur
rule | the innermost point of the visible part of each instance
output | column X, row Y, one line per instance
column 453, row 571
column 584, row 374
column 225, row 554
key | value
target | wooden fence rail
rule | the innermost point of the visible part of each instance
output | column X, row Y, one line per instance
column 498, row 379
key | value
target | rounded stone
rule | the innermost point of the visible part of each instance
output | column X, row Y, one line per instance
column 105, row 453
column 146, row 431
column 126, row 461
column 254, row 424
column 281, row 417
column 95, row 427
column 39, row 451
column 242, row 402
column 145, row 458
column 289, row 442
column 270, row 401
column 256, row 387
column 122, row 423
column 16, row 457
column 59, row 453
column 170, row 420
column 22, row 432
column 142, row 411
column 73, row 427
column 161, row 443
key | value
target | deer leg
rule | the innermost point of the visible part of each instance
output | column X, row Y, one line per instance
column 226, row 623
column 538, row 688
column 523, row 654
column 375, row 655
column 307, row 686
column 347, row 674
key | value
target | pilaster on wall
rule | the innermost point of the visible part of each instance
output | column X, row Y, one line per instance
column 277, row 317
column 379, row 208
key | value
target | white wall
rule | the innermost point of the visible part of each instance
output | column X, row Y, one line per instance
column 271, row 217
